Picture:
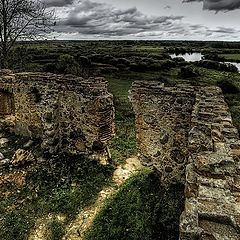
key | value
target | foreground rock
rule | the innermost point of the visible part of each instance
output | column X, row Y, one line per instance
column 22, row 157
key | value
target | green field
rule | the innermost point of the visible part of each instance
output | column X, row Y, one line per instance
column 142, row 206
column 231, row 56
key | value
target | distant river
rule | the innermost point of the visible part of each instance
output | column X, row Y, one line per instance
column 194, row 57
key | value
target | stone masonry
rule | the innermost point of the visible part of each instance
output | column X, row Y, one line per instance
column 212, row 206
column 163, row 121
column 187, row 134
column 69, row 114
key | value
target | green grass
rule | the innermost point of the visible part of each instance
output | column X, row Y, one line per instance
column 141, row 209
column 231, row 56
column 59, row 186
column 124, row 144
column 56, row 230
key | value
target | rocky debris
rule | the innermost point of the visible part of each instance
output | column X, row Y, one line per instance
column 22, row 157
column 16, row 178
column 1, row 156
column 69, row 114
column 3, row 142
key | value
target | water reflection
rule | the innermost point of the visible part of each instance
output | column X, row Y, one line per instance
column 194, row 57
column 235, row 64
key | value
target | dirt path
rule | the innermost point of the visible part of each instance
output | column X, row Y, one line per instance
column 76, row 229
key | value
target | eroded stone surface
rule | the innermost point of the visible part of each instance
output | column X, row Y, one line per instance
column 69, row 114
column 213, row 180
column 186, row 133
column 22, row 157
column 163, row 121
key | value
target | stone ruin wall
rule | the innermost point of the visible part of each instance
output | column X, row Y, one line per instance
column 212, row 189
column 163, row 121
column 67, row 113
column 192, row 124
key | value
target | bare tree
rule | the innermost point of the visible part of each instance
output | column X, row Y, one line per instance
column 22, row 20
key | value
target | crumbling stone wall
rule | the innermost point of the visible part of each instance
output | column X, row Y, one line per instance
column 163, row 121
column 67, row 113
column 212, row 206
column 6, row 100
column 210, row 147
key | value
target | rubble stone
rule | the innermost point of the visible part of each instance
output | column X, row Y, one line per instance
column 22, row 157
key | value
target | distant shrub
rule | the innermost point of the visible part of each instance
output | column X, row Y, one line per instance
column 83, row 61
column 163, row 79
column 123, row 61
column 227, row 67
column 108, row 70
column 213, row 57
column 84, row 66
column 121, row 66
column 67, row 65
column 167, row 64
column 188, row 72
column 108, row 59
column 50, row 67
column 152, row 65
column 228, row 86
column 97, row 58
column 179, row 59
column 139, row 67
column 19, row 58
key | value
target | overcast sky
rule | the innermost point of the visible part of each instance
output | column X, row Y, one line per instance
column 147, row 19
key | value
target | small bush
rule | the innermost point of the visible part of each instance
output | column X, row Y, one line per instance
column 227, row 67
column 50, row 67
column 67, row 65
column 228, row 86
column 188, row 72
column 179, row 59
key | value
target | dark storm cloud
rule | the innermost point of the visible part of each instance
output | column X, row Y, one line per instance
column 218, row 5
column 92, row 18
column 225, row 30
column 57, row 3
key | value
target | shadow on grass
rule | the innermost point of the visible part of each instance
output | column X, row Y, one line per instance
column 63, row 185
column 142, row 209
